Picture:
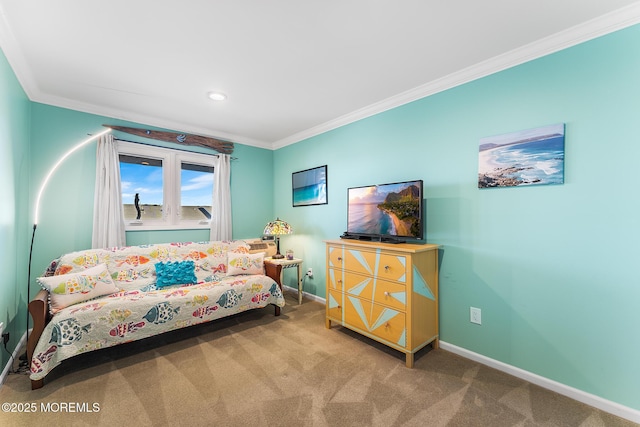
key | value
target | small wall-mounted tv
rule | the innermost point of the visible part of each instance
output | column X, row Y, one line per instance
column 386, row 212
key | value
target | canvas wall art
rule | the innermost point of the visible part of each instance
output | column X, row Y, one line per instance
column 523, row 158
column 310, row 187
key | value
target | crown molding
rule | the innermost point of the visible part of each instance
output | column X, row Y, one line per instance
column 146, row 120
column 605, row 24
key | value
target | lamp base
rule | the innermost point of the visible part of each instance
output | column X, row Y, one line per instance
column 278, row 255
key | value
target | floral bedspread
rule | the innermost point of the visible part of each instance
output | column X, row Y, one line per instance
column 133, row 315
column 139, row 312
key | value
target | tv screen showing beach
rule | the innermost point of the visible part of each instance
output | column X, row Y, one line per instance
column 389, row 209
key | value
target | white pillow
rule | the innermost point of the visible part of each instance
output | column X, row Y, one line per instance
column 68, row 289
column 245, row 263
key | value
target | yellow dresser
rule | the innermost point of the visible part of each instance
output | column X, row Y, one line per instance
column 387, row 292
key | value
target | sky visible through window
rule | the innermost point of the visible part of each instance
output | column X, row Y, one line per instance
column 196, row 186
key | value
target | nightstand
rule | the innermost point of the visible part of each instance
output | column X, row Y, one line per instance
column 289, row 263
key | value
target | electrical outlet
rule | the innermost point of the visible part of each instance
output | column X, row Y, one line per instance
column 310, row 272
column 475, row 315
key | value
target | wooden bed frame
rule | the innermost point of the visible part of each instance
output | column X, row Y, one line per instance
column 39, row 310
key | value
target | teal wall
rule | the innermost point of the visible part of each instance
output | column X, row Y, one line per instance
column 553, row 268
column 66, row 211
column 14, row 180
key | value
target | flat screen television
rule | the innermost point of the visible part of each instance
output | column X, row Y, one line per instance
column 386, row 212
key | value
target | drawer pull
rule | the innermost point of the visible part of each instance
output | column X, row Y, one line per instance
column 339, row 258
column 387, row 268
column 387, row 325
column 386, row 294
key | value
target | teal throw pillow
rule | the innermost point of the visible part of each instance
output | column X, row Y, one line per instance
column 175, row 273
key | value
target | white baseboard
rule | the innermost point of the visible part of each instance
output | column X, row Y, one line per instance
column 7, row 368
column 306, row 294
column 565, row 390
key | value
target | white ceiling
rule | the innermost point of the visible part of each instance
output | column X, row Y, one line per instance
column 291, row 68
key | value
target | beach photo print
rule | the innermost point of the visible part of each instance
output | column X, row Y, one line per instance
column 523, row 158
column 310, row 187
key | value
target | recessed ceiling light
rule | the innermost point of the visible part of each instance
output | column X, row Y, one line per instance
column 217, row 96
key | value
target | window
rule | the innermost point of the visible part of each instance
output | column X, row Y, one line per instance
column 165, row 189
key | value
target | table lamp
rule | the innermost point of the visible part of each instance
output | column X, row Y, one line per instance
column 276, row 228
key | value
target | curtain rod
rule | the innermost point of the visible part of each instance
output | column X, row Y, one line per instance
column 159, row 146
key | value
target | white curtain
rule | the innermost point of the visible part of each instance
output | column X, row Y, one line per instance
column 221, row 215
column 108, row 214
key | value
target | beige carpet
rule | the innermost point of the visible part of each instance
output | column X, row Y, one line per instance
column 256, row 369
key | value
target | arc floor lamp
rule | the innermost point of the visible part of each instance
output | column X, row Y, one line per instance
column 43, row 186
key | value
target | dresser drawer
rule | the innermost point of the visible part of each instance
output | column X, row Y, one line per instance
column 359, row 261
column 380, row 321
column 334, row 304
column 392, row 267
column 390, row 294
column 334, row 279
column 335, row 256
column 384, row 266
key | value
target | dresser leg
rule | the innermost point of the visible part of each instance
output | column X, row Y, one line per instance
column 435, row 344
column 327, row 323
column 409, row 360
